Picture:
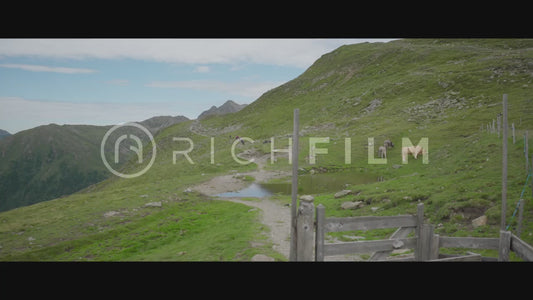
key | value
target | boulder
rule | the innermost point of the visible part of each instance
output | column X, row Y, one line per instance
column 342, row 193
column 480, row 221
column 352, row 205
column 153, row 204
column 307, row 198
column 111, row 213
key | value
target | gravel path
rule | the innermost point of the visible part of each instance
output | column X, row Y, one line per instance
column 274, row 215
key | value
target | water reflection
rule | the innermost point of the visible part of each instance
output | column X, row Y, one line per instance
column 307, row 184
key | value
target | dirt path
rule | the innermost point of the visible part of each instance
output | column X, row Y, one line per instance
column 274, row 215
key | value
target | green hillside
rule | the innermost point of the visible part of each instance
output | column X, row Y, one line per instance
column 443, row 90
column 49, row 161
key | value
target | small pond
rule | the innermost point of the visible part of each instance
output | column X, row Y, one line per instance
column 307, row 184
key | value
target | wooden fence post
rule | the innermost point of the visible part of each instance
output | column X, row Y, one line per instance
column 504, row 165
column 319, row 238
column 428, row 243
column 305, row 229
column 419, row 223
column 505, row 245
column 294, row 190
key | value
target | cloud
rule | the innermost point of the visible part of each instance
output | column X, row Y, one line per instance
column 202, row 69
column 39, row 68
column 286, row 52
column 20, row 114
column 241, row 88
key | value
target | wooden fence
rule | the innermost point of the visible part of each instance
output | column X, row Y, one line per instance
column 425, row 243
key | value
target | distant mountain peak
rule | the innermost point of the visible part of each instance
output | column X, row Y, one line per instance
column 228, row 107
column 158, row 123
column 4, row 134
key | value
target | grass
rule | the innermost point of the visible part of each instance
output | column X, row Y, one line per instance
column 440, row 89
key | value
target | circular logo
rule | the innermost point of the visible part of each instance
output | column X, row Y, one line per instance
column 137, row 149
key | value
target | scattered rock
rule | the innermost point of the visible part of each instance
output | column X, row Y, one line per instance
column 342, row 193
column 111, row 213
column 143, row 196
column 374, row 209
column 397, row 244
column 187, row 190
column 153, row 204
column 481, row 221
column 396, row 166
column 262, row 257
column 352, row 205
column 31, row 239
column 307, row 198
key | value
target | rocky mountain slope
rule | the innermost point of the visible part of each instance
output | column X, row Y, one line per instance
column 4, row 134
column 228, row 107
column 444, row 90
column 50, row 161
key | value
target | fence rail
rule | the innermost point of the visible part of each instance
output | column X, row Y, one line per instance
column 425, row 243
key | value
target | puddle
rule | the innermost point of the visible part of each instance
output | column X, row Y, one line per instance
column 307, row 184
column 253, row 190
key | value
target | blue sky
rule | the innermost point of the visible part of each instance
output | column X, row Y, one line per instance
column 110, row 81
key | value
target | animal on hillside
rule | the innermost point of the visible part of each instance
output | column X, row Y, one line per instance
column 388, row 144
column 239, row 139
column 382, row 152
column 414, row 150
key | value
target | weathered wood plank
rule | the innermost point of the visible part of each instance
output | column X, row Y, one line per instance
column 505, row 246
column 425, row 242
column 367, row 246
column 419, row 222
column 521, row 248
column 400, row 233
column 367, row 223
column 294, row 189
column 468, row 242
column 504, row 166
column 319, row 238
column 470, row 257
column 305, row 229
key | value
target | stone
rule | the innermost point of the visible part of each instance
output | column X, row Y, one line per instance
column 143, row 196
column 153, row 204
column 342, row 193
column 480, row 221
column 111, row 213
column 374, row 209
column 396, row 166
column 397, row 244
column 188, row 190
column 307, row 198
column 352, row 205
column 262, row 257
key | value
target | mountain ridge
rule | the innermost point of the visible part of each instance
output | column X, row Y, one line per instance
column 49, row 161
column 228, row 107
column 445, row 90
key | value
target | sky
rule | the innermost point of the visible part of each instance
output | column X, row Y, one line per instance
column 111, row 81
